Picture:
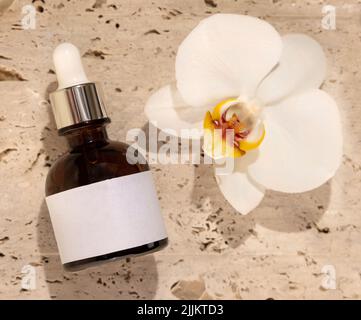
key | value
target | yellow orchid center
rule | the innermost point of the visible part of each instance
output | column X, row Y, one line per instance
column 232, row 128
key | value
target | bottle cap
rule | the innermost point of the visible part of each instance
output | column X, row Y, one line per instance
column 77, row 100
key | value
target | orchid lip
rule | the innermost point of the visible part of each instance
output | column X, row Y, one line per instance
column 239, row 117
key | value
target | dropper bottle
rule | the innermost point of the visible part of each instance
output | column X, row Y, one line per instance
column 101, row 206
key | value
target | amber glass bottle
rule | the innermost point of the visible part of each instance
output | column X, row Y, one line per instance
column 102, row 206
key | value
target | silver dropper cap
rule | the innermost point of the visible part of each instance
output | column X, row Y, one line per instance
column 77, row 100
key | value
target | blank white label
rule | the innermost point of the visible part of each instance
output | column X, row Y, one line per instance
column 105, row 217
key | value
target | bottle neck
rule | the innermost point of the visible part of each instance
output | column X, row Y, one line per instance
column 87, row 136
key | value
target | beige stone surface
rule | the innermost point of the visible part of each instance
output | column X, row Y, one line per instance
column 278, row 251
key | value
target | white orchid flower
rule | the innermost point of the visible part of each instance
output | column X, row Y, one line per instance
column 235, row 71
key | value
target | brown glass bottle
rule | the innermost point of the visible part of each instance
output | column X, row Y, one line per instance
column 101, row 196
column 93, row 158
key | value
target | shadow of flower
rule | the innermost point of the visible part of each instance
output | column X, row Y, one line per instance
column 278, row 211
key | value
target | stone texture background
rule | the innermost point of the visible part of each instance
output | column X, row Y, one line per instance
column 277, row 251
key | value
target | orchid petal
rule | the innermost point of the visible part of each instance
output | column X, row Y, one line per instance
column 303, row 145
column 167, row 111
column 240, row 191
column 226, row 55
column 302, row 67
